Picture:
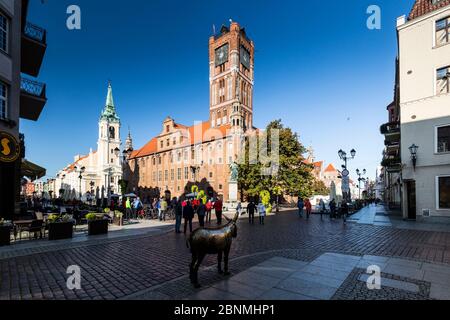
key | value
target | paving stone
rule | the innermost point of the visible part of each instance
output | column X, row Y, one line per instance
column 215, row 294
column 333, row 265
column 308, row 288
column 439, row 292
column 403, row 271
column 256, row 280
column 404, row 263
column 326, row 272
column 442, row 279
column 241, row 289
column 278, row 294
column 331, row 282
column 401, row 285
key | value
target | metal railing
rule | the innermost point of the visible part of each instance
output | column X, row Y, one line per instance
column 34, row 32
column 390, row 127
column 33, row 88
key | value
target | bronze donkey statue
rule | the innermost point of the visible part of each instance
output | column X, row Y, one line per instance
column 205, row 241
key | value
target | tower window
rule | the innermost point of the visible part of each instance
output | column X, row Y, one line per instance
column 167, row 128
column 168, row 142
column 112, row 133
column 162, row 144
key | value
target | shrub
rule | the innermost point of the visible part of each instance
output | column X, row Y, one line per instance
column 53, row 218
column 91, row 217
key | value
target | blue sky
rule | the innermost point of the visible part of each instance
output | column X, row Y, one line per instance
column 317, row 67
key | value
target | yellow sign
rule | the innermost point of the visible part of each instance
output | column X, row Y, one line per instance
column 9, row 147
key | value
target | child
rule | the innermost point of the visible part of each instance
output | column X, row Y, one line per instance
column 262, row 213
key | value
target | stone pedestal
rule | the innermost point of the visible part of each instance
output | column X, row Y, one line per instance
column 232, row 192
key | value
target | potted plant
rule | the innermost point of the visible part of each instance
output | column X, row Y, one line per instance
column 96, row 224
column 60, row 227
column 118, row 218
column 5, row 232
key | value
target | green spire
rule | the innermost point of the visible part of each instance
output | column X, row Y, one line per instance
column 109, row 112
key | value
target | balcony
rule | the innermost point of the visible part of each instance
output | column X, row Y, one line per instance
column 392, row 164
column 34, row 45
column 390, row 128
column 32, row 99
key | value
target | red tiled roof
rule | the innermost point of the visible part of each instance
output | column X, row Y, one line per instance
column 330, row 168
column 318, row 164
column 207, row 134
column 423, row 7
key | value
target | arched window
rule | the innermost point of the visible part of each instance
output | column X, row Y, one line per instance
column 112, row 133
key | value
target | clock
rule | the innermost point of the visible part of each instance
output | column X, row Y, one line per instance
column 222, row 54
column 245, row 57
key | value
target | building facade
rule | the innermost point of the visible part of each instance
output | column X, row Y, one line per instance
column 22, row 50
column 181, row 155
column 97, row 174
column 424, row 75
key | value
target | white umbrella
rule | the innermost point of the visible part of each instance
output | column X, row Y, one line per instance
column 333, row 191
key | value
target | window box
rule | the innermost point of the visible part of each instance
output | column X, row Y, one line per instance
column 60, row 230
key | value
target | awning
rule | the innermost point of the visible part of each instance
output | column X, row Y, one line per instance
column 31, row 170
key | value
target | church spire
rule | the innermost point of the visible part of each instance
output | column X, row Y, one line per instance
column 109, row 112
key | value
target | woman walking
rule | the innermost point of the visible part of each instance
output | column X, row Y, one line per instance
column 308, row 207
column 262, row 213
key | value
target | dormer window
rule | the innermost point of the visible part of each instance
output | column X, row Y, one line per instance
column 167, row 128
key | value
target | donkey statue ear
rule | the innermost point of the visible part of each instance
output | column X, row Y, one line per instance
column 236, row 217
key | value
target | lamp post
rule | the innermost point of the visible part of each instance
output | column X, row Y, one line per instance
column 81, row 171
column 413, row 151
column 345, row 178
column 62, row 176
column 360, row 179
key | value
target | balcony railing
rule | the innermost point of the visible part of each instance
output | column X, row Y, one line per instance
column 391, row 162
column 390, row 128
column 34, row 32
column 33, row 88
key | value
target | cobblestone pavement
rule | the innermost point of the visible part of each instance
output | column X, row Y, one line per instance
column 157, row 265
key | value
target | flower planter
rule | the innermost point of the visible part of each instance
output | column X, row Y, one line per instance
column 5, row 235
column 96, row 227
column 60, row 230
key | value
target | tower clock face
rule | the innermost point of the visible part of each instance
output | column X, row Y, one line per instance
column 245, row 57
column 222, row 54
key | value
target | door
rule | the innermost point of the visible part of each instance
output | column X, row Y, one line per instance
column 411, row 199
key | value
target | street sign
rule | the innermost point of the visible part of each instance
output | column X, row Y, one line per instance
column 346, row 184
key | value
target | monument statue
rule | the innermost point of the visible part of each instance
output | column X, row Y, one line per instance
column 204, row 241
column 234, row 172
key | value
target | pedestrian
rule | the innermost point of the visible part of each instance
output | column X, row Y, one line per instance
column 262, row 212
column 344, row 210
column 137, row 206
column 322, row 208
column 308, row 208
column 188, row 215
column 128, row 210
column 332, row 209
column 300, row 206
column 163, row 207
column 201, row 212
column 158, row 207
column 178, row 216
column 209, row 207
column 251, row 208
column 218, row 206
column 239, row 209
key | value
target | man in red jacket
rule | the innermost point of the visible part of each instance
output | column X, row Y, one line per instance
column 218, row 207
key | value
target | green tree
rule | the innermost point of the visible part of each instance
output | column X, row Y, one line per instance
column 320, row 188
column 293, row 176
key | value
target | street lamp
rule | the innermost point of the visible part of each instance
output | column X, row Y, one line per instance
column 413, row 151
column 344, row 157
column 360, row 179
column 81, row 171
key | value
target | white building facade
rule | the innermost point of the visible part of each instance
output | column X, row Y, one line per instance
column 424, row 71
column 97, row 174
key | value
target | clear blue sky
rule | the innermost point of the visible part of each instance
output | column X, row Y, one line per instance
column 317, row 67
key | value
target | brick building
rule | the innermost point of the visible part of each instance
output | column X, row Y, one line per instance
column 181, row 155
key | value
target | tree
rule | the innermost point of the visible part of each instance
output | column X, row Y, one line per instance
column 320, row 188
column 293, row 175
